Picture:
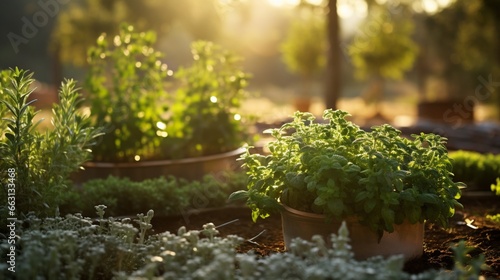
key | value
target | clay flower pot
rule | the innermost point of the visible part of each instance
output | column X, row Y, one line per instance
column 407, row 239
column 187, row 168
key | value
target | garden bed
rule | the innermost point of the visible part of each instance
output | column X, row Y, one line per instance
column 265, row 236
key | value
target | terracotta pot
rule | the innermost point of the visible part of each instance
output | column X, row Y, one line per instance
column 188, row 168
column 302, row 104
column 407, row 239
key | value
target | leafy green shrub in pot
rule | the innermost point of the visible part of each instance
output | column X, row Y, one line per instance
column 336, row 169
column 205, row 117
column 127, row 84
column 36, row 163
column 127, row 95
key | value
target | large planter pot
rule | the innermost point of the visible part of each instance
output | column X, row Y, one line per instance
column 451, row 112
column 407, row 239
column 189, row 168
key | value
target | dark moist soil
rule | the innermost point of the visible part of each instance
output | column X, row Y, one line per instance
column 265, row 236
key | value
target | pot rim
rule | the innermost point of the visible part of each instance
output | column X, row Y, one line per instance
column 302, row 213
column 323, row 217
column 91, row 164
column 316, row 216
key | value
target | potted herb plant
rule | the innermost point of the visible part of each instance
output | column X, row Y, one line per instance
column 383, row 185
column 191, row 130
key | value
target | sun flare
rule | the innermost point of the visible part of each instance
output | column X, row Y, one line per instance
column 282, row 3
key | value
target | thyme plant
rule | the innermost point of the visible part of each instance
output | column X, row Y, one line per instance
column 75, row 247
column 41, row 161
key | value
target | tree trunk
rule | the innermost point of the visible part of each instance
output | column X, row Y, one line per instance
column 333, row 71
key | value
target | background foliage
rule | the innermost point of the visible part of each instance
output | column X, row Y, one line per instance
column 126, row 92
column 206, row 117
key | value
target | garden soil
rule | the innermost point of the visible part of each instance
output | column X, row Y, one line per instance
column 265, row 237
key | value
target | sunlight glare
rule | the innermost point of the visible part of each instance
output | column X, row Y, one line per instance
column 345, row 11
column 445, row 3
column 431, row 6
column 162, row 133
column 282, row 3
column 417, row 7
column 161, row 125
column 350, row 8
column 314, row 2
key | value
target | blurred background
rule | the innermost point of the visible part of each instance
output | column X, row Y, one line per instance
column 398, row 61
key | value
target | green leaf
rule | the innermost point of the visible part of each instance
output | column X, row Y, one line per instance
column 352, row 168
column 11, row 137
column 388, row 216
column 319, row 201
column 336, row 207
column 369, row 205
column 413, row 214
column 238, row 195
column 363, row 195
column 429, row 198
column 407, row 196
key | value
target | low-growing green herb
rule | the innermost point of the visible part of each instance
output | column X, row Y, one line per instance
column 496, row 187
column 166, row 196
column 477, row 170
column 494, row 218
column 75, row 247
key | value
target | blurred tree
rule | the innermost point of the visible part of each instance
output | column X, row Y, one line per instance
column 83, row 21
column 465, row 40
column 333, row 75
column 384, row 50
column 303, row 51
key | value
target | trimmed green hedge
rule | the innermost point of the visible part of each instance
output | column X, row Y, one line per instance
column 477, row 170
column 166, row 196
